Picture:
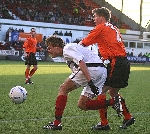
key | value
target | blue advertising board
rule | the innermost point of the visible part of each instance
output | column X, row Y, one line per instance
column 14, row 36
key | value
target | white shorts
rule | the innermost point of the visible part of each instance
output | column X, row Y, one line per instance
column 98, row 75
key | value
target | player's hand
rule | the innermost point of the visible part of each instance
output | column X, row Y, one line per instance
column 25, row 54
column 80, row 42
column 94, row 89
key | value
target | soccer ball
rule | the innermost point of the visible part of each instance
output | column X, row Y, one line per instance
column 18, row 94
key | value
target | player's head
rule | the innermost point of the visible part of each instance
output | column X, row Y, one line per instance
column 54, row 45
column 101, row 15
column 33, row 31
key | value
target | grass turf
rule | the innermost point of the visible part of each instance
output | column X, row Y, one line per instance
column 38, row 109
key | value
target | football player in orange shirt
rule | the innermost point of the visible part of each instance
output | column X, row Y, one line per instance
column 29, row 48
column 111, row 47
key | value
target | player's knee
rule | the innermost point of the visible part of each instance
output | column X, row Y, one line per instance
column 82, row 106
column 35, row 68
column 113, row 92
column 63, row 90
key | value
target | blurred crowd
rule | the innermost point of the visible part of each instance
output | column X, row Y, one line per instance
column 70, row 12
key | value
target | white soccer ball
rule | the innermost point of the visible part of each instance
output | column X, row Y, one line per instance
column 18, row 94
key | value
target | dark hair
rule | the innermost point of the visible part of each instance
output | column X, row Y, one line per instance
column 55, row 41
column 32, row 29
column 103, row 11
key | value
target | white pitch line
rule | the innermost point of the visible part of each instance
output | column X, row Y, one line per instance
column 38, row 119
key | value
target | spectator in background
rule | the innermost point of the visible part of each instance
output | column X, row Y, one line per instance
column 77, row 41
column 131, row 54
column 16, row 30
column 89, row 17
column 60, row 33
column 70, row 34
column 39, row 47
column 75, row 11
column 140, row 54
column 17, row 45
column 21, row 30
column 56, row 33
column 44, row 38
column 44, row 48
column 1, row 15
column 7, row 34
column 66, row 33
column 29, row 48
column 82, row 5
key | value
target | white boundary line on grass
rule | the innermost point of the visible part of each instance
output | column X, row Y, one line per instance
column 38, row 119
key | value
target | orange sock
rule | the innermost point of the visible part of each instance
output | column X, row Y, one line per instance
column 125, row 112
column 27, row 73
column 59, row 108
column 57, row 122
column 95, row 104
column 110, row 102
column 103, row 112
column 32, row 72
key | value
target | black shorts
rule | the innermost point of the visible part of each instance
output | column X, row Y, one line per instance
column 31, row 59
column 120, row 74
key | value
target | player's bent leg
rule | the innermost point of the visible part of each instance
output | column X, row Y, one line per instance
column 103, row 124
column 114, row 93
column 35, row 67
column 127, row 123
column 60, row 104
column 82, row 101
column 103, row 111
column 128, row 119
column 105, row 89
column 66, row 87
column 82, row 105
column 27, row 71
column 32, row 72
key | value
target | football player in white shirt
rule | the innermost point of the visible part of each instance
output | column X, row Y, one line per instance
column 88, row 71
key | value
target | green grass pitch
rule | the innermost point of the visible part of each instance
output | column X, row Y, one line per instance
column 30, row 116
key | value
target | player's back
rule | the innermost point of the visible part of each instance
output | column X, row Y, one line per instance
column 76, row 52
column 111, row 44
